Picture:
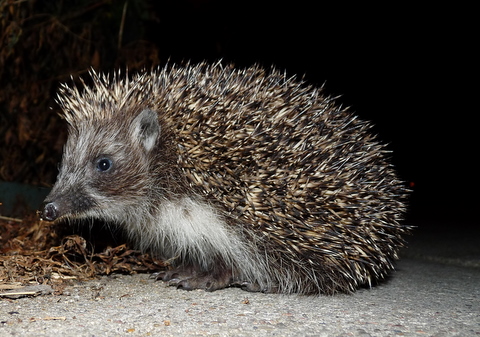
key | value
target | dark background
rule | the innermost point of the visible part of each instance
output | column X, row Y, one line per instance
column 410, row 69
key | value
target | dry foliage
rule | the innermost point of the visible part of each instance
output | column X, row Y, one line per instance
column 33, row 251
column 42, row 43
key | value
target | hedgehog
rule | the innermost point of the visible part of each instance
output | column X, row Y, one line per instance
column 235, row 177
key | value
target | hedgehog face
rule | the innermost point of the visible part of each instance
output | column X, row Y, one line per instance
column 105, row 168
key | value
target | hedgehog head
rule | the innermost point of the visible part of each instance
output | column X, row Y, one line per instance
column 112, row 138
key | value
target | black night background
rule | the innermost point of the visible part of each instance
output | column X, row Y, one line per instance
column 409, row 69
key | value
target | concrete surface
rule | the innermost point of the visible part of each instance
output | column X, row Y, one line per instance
column 431, row 294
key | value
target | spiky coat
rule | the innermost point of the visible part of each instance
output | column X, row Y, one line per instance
column 241, row 177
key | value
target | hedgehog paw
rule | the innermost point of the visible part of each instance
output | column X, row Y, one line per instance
column 191, row 280
column 253, row 287
column 169, row 275
column 207, row 282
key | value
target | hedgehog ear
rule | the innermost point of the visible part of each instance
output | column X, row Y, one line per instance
column 146, row 128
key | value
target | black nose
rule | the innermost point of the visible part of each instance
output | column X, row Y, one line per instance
column 50, row 211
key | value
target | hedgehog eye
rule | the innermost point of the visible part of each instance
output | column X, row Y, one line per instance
column 104, row 164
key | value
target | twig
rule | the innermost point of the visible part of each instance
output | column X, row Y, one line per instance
column 122, row 25
column 6, row 218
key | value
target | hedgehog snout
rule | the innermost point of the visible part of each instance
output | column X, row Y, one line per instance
column 65, row 204
column 50, row 211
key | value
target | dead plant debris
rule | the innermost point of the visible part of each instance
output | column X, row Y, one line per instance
column 33, row 253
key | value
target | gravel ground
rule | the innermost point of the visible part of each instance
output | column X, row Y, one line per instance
column 425, row 297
